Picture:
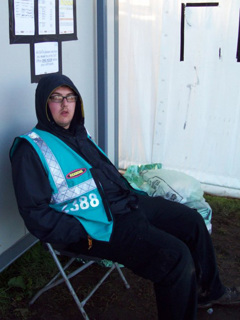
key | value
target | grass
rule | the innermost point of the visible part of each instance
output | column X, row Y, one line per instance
column 33, row 269
column 224, row 206
column 21, row 279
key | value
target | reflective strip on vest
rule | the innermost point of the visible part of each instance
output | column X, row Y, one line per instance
column 64, row 192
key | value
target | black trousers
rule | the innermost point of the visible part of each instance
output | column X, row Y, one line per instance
column 169, row 244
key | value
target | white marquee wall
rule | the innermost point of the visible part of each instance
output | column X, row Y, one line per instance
column 184, row 114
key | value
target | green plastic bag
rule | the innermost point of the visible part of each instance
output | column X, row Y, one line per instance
column 172, row 185
column 134, row 173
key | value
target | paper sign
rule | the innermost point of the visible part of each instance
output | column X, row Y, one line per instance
column 66, row 24
column 24, row 17
column 46, row 17
column 46, row 57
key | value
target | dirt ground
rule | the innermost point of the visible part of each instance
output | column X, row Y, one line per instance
column 114, row 302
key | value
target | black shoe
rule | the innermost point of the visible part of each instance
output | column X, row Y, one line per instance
column 230, row 297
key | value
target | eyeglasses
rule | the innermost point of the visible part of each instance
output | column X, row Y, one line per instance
column 58, row 98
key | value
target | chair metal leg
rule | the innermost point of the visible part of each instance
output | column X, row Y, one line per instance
column 65, row 278
column 51, row 283
column 54, row 282
column 122, row 275
column 72, row 291
column 98, row 285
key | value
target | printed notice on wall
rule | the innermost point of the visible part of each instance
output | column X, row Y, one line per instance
column 46, row 17
column 24, row 17
column 66, row 22
column 46, row 57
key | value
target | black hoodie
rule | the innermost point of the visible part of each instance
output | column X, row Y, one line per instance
column 44, row 89
column 31, row 184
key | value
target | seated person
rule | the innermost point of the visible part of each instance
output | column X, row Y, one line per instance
column 69, row 193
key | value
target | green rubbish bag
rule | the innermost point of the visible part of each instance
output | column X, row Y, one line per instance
column 172, row 185
column 134, row 173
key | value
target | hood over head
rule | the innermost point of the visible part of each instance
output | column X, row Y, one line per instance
column 46, row 86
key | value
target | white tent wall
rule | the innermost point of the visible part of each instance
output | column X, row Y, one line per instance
column 183, row 114
column 18, row 113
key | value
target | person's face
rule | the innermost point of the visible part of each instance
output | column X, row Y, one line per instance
column 62, row 111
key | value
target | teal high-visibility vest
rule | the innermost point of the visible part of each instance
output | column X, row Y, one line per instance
column 75, row 188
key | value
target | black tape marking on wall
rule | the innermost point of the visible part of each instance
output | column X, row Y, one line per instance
column 238, row 44
column 202, row 4
column 182, row 28
column 182, row 32
column 36, row 38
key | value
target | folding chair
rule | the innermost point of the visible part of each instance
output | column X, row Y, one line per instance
column 61, row 276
